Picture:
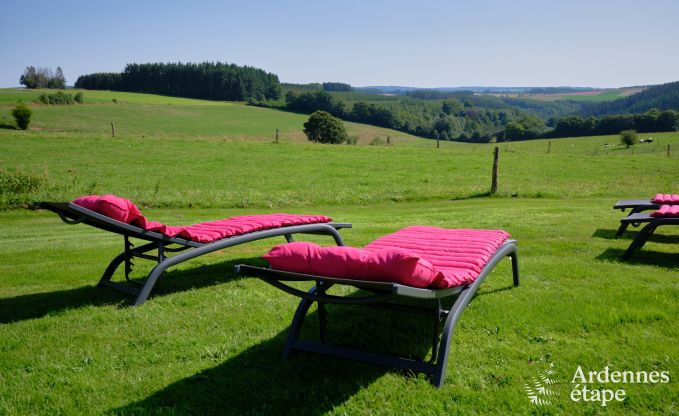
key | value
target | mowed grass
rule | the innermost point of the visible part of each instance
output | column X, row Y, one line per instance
column 182, row 172
column 209, row 342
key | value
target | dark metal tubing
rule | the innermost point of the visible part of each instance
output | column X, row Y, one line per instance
column 646, row 232
column 636, row 206
column 441, row 346
column 74, row 214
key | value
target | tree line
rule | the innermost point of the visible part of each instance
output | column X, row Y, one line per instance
column 448, row 119
column 207, row 80
column 651, row 121
column 662, row 97
column 41, row 77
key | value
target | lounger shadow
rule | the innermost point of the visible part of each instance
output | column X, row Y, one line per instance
column 163, row 245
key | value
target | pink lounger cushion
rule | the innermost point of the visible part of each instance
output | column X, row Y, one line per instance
column 386, row 265
column 666, row 199
column 123, row 210
column 671, row 211
column 418, row 256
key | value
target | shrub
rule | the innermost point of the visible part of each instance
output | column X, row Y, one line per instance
column 22, row 115
column 376, row 142
column 79, row 98
column 352, row 140
column 20, row 183
column 324, row 128
column 60, row 98
column 629, row 137
column 43, row 98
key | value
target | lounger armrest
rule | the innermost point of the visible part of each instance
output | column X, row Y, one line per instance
column 339, row 225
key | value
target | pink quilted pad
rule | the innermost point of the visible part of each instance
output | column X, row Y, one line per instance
column 124, row 210
column 671, row 211
column 459, row 254
column 666, row 199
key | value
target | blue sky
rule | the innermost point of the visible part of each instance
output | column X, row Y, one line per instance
column 412, row 43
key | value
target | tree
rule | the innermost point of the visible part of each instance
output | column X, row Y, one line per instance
column 22, row 115
column 629, row 137
column 58, row 80
column 42, row 78
column 515, row 131
column 324, row 128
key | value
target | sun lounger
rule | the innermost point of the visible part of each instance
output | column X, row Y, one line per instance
column 666, row 215
column 452, row 262
column 640, row 205
column 192, row 241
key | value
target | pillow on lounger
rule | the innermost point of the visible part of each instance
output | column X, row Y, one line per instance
column 671, row 211
column 666, row 199
column 120, row 209
column 386, row 265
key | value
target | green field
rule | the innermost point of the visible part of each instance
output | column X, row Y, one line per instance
column 209, row 342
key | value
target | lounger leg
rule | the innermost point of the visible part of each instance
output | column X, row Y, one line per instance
column 624, row 225
column 640, row 240
column 119, row 259
column 455, row 313
column 513, row 256
column 297, row 322
column 322, row 317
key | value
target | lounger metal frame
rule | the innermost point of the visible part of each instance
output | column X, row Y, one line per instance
column 75, row 214
column 635, row 206
column 379, row 293
column 645, row 233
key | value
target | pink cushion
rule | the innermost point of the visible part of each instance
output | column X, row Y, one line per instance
column 120, row 209
column 460, row 254
column 671, row 211
column 387, row 265
column 417, row 256
column 666, row 199
column 124, row 210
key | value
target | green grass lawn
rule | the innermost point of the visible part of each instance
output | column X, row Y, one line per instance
column 209, row 342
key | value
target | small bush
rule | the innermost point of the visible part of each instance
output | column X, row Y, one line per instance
column 79, row 98
column 629, row 137
column 377, row 142
column 352, row 140
column 22, row 115
column 20, row 183
column 59, row 98
column 324, row 128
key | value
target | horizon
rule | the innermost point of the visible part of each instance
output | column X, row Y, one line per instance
column 604, row 44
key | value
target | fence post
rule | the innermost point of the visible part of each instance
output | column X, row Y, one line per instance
column 493, row 184
column 549, row 146
column 276, row 135
column 668, row 150
column 113, row 130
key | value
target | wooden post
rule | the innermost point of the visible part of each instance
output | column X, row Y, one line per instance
column 493, row 184
column 668, row 150
column 388, row 139
column 276, row 135
column 549, row 146
column 113, row 130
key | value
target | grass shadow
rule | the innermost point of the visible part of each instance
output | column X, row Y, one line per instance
column 37, row 305
column 257, row 382
column 631, row 234
column 643, row 257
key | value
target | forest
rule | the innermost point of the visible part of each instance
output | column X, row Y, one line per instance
column 207, row 80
